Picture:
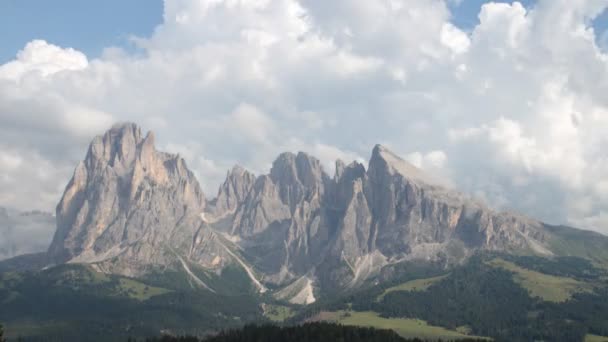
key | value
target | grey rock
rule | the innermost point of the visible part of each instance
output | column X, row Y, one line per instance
column 132, row 210
column 298, row 222
column 231, row 195
column 281, row 221
column 127, row 207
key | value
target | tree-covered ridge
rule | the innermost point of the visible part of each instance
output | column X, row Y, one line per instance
column 479, row 298
column 566, row 266
column 491, row 303
column 488, row 301
column 309, row 332
column 70, row 301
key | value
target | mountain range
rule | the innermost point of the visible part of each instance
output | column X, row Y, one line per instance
column 139, row 250
column 297, row 232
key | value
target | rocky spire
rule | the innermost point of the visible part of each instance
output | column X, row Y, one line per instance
column 298, row 178
column 126, row 198
column 384, row 161
column 301, row 169
column 117, row 148
column 232, row 192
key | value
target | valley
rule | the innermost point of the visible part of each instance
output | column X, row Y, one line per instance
column 73, row 297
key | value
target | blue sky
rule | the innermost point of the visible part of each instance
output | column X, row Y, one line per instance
column 465, row 12
column 90, row 26
column 517, row 116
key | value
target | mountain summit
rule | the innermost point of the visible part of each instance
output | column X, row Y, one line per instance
column 132, row 210
column 125, row 201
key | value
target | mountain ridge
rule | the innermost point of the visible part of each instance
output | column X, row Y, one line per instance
column 134, row 211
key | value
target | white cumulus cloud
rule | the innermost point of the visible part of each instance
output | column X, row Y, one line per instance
column 513, row 110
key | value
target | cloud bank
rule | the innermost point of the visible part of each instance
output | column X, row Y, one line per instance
column 513, row 111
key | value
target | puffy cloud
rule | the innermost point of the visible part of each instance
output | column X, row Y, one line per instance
column 252, row 124
column 513, row 111
column 435, row 164
column 454, row 38
column 29, row 180
column 431, row 160
column 44, row 59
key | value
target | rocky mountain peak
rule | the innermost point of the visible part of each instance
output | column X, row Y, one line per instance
column 116, row 148
column 339, row 166
column 302, row 169
column 348, row 180
column 297, row 168
column 232, row 192
column 130, row 208
column 384, row 161
column 298, row 177
column 310, row 172
column 284, row 168
column 124, row 195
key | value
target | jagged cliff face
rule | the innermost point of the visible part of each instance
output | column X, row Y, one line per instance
column 411, row 211
column 282, row 220
column 298, row 222
column 129, row 209
column 127, row 204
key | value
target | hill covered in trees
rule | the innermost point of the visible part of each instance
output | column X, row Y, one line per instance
column 507, row 298
column 309, row 332
column 500, row 296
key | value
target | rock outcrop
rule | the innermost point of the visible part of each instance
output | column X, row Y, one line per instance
column 130, row 209
column 299, row 222
column 127, row 206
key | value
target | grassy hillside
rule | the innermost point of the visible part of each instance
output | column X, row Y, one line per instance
column 595, row 338
column 64, row 302
column 413, row 285
column 547, row 287
column 408, row 328
column 566, row 241
column 505, row 297
column 81, row 279
column 278, row 313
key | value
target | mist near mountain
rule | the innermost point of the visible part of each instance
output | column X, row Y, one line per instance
column 24, row 232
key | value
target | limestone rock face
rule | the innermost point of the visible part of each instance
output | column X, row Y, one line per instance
column 130, row 209
column 410, row 209
column 299, row 222
column 127, row 205
column 281, row 219
column 232, row 192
